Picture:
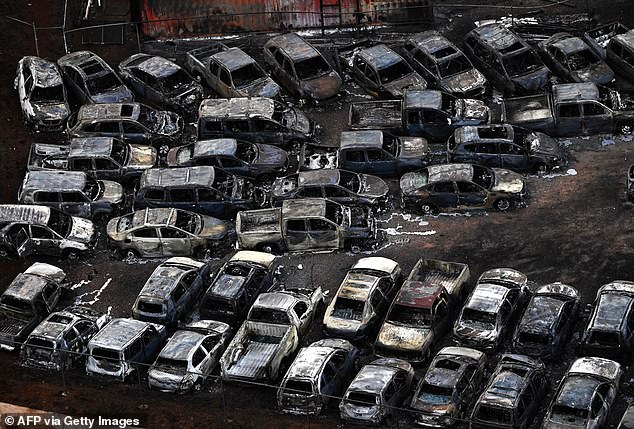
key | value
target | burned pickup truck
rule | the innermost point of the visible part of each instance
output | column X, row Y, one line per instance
column 305, row 225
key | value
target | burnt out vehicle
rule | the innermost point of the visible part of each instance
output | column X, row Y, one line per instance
column 485, row 317
column 161, row 82
column 42, row 93
column 189, row 356
column 61, row 340
column 512, row 395
column 123, row 347
column 236, row 285
column 203, row 189
column 627, row 421
column 423, row 310
column 610, row 330
column 378, row 388
column 341, row 186
column 41, row 230
column 319, row 372
column 308, row 224
column 105, row 158
column 30, row 297
column 585, row 395
column 261, row 161
column 443, row 396
column 630, row 183
column 300, row 68
column 599, row 37
column 362, row 298
column 505, row 146
column 92, row 80
column 620, row 54
column 171, row 291
column 572, row 59
column 444, row 65
column 548, row 321
column 165, row 232
column 459, row 187
column 505, row 59
column 383, row 73
column 431, row 114
column 230, row 72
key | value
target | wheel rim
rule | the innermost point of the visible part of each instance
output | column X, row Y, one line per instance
column 503, row 205
column 426, row 208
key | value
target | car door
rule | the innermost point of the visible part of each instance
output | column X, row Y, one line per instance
column 200, row 360
column 180, row 298
column 514, row 157
column 212, row 346
column 48, row 198
column 134, row 133
column 570, row 121
column 235, row 166
column 443, row 195
column 381, row 163
column 379, row 303
column 213, row 203
column 339, row 194
column 21, row 241
column 323, row 234
column 596, row 118
column 25, row 85
column 107, row 169
column 182, row 198
column 51, row 295
column 175, row 242
column 225, row 84
column 44, row 240
column 268, row 131
column 354, row 160
column 73, row 344
column 108, row 128
column 146, row 241
column 441, row 318
column 297, row 234
column 305, row 317
column 436, row 125
column 75, row 203
column 471, row 195
column 237, row 128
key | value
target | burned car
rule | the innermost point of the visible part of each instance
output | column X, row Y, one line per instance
column 105, row 158
column 61, row 340
column 42, row 94
column 443, row 65
column 384, row 73
column 189, row 356
column 300, row 68
column 30, row 297
column 443, row 396
column 378, row 388
column 548, row 321
column 485, row 317
column 342, row 186
column 629, row 189
column 505, row 146
column 512, row 395
column 627, row 421
column 236, row 285
column 572, row 59
column 123, row 347
column 161, row 82
column 92, row 79
column 319, row 372
column 171, row 291
column 585, row 395
column 620, row 54
column 73, row 192
column 459, row 187
column 41, row 230
column 362, row 298
column 165, row 232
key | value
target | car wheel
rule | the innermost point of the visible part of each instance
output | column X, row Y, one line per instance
column 130, row 254
column 71, row 255
column 539, row 168
column 268, row 248
column 428, row 209
column 503, row 204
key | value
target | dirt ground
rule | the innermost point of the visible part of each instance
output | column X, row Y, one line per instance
column 576, row 229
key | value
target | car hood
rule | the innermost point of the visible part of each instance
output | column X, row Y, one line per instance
column 464, row 82
column 322, row 87
column 599, row 73
column 112, row 192
column 120, row 94
column 473, row 110
column 410, row 81
column 507, row 181
column 297, row 121
column 168, row 123
column 262, row 88
column 142, row 157
column 474, row 334
column 533, row 81
column 213, row 228
column 413, row 147
column 411, row 182
column 82, row 230
column 164, row 380
column 270, row 155
column 404, row 337
column 541, row 143
column 51, row 111
column 372, row 186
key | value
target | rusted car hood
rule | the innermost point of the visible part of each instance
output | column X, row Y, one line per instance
column 464, row 82
column 413, row 147
column 119, row 94
column 473, row 110
column 112, row 192
column 270, row 155
column 213, row 228
column 262, row 88
column 411, row 81
column 142, row 157
column 404, row 337
column 325, row 86
column 599, row 73
column 372, row 186
column 51, row 111
column 82, row 230
column 507, row 181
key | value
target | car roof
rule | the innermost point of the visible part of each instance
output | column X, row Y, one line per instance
column 471, row 133
column 38, row 215
column 496, row 36
column 260, row 258
column 53, row 328
column 326, row 176
column 181, row 344
column 154, row 217
column 215, row 147
column 376, row 263
column 431, row 41
column 55, row 181
column 235, row 108
column 422, row 99
column 568, row 92
column 309, row 362
column 91, row 146
column 87, row 62
column 626, row 38
column 227, row 285
column 504, row 276
column 361, row 139
column 380, row 56
column 570, row 44
column 163, row 280
column 233, row 58
column 606, row 369
column 541, row 314
column 275, row 300
column 449, row 173
column 109, row 111
column 305, row 207
column 358, row 285
column 118, row 333
column 373, row 378
column 158, row 66
column 45, row 73
column 178, row 176
column 29, row 284
column 294, row 46
column 577, row 391
column 611, row 311
column 487, row 297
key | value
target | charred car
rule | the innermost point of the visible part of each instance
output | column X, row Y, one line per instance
column 456, row 187
column 42, row 94
column 171, row 291
column 300, row 68
column 61, row 340
column 362, row 298
column 599, row 37
column 443, row 396
column 236, row 285
column 30, row 297
column 627, row 421
column 630, row 183
column 620, row 54
column 92, row 79
column 189, row 356
column 378, row 388
column 165, row 232
column 548, row 321
column 319, row 372
column 485, row 317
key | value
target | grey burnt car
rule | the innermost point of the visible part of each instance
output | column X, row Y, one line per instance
column 300, row 68
column 505, row 146
column 378, row 388
column 572, row 59
column 585, row 395
column 620, row 54
column 161, row 82
column 342, row 186
column 189, row 356
column 105, row 158
column 384, row 73
column 443, row 396
column 42, row 94
column 319, row 372
column 629, row 190
column 92, row 80
column 61, row 340
column 165, row 232
column 444, row 65
column 627, row 421
column 171, row 291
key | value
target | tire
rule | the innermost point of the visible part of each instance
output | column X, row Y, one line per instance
column 539, row 168
column 428, row 209
column 130, row 253
column 503, row 204
column 625, row 129
column 269, row 248
column 71, row 255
